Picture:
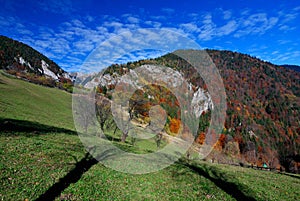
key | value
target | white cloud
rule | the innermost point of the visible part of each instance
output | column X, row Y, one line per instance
column 272, row 22
column 84, row 46
column 14, row 26
column 257, row 23
column 78, row 23
column 42, row 43
column 190, row 27
column 227, row 14
column 24, row 31
column 134, row 45
column 283, row 57
column 153, row 23
column 228, row 28
column 60, row 46
column 114, row 24
column 209, row 29
column 71, row 38
column 288, row 20
column 288, row 15
column 133, row 20
column 286, row 28
column 245, row 12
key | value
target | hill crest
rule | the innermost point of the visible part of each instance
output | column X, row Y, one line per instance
column 25, row 62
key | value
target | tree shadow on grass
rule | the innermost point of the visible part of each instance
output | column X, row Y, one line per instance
column 73, row 176
column 9, row 126
column 112, row 138
column 233, row 188
column 290, row 175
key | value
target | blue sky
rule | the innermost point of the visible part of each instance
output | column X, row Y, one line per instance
column 68, row 31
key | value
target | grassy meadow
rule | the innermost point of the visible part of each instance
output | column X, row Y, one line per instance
column 42, row 158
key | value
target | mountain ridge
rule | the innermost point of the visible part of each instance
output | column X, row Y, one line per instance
column 293, row 67
column 23, row 61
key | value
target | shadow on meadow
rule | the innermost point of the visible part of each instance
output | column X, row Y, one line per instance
column 297, row 176
column 220, row 179
column 2, row 82
column 74, row 175
column 9, row 126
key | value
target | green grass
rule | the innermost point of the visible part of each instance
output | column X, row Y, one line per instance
column 30, row 165
column 26, row 101
column 40, row 153
column 259, row 184
column 176, row 182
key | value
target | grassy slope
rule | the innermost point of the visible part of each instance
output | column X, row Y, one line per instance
column 26, row 101
column 33, row 161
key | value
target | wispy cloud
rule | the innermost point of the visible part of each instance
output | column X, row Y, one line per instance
column 257, row 23
column 190, row 27
column 228, row 28
column 14, row 26
column 227, row 14
column 154, row 24
column 287, row 19
column 283, row 42
column 135, row 44
column 286, row 28
column 238, row 26
column 133, row 20
column 283, row 57
column 207, row 30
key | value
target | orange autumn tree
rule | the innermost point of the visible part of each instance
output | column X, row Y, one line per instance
column 220, row 144
column 201, row 138
column 175, row 125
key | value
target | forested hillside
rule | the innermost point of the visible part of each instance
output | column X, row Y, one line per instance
column 25, row 62
column 263, row 107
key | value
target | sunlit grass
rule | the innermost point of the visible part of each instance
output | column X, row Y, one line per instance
column 26, row 101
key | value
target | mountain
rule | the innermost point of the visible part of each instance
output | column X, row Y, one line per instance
column 23, row 61
column 263, row 106
column 293, row 67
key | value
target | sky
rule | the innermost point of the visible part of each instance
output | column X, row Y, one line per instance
column 68, row 32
